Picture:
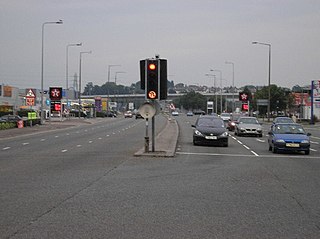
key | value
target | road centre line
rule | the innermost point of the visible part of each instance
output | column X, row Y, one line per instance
column 6, row 148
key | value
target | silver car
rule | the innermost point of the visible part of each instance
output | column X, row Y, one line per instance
column 248, row 126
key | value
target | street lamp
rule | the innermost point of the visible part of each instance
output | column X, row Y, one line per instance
column 67, row 59
column 109, row 66
column 228, row 62
column 81, row 53
column 220, row 89
column 42, row 58
column 115, row 76
column 215, row 93
column 269, row 75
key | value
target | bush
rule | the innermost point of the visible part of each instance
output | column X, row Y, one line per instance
column 7, row 125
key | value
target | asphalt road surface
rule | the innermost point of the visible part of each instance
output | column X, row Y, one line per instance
column 84, row 182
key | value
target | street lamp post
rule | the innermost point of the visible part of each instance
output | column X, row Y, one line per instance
column 42, row 66
column 109, row 66
column 228, row 62
column 67, row 60
column 115, row 76
column 220, row 89
column 81, row 53
column 269, row 75
column 215, row 93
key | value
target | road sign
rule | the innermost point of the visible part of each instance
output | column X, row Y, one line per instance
column 30, row 101
column 147, row 110
column 30, row 93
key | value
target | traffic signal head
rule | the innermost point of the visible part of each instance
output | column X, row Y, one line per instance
column 152, row 79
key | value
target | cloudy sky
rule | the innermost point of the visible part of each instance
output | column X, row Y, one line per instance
column 193, row 35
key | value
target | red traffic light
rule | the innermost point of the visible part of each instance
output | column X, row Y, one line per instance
column 152, row 66
column 245, row 107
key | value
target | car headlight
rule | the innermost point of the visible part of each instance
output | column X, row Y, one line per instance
column 197, row 132
column 305, row 141
column 280, row 141
column 233, row 123
column 243, row 129
column 224, row 134
column 259, row 129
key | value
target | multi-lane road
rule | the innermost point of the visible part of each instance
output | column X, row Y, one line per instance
column 84, row 182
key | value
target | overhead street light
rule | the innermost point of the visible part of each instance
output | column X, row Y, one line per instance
column 220, row 88
column 115, row 76
column 229, row 62
column 42, row 67
column 81, row 53
column 67, row 62
column 269, row 75
column 109, row 66
column 215, row 93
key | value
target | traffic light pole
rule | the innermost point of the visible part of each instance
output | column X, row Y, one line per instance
column 146, row 138
column 153, row 134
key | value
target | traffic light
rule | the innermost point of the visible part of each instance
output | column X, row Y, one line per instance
column 163, row 79
column 245, row 106
column 152, row 79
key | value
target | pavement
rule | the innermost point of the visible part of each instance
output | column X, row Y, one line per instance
column 165, row 141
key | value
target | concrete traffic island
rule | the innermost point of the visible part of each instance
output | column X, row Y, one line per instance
column 165, row 141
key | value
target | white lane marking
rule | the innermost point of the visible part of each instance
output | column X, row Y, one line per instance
column 99, row 138
column 57, row 136
column 67, row 134
column 90, row 141
column 42, row 140
column 79, row 145
column 250, row 155
column 314, row 150
column 315, row 137
column 313, row 142
column 108, row 135
column 26, row 143
column 246, row 147
column 255, row 153
column 261, row 140
column 64, row 150
column 6, row 148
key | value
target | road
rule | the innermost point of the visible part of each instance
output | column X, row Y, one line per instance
column 84, row 182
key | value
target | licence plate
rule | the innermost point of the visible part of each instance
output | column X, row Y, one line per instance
column 211, row 137
column 292, row 145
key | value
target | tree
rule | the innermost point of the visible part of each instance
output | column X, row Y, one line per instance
column 192, row 100
column 280, row 99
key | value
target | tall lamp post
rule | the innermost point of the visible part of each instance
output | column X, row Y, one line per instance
column 228, row 62
column 81, row 53
column 42, row 67
column 220, row 89
column 215, row 93
column 67, row 60
column 269, row 75
column 115, row 76
column 109, row 66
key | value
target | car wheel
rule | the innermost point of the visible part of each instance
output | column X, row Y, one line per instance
column 307, row 152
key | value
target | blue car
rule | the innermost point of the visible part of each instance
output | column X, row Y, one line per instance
column 288, row 137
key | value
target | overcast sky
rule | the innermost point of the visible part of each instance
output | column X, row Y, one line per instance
column 193, row 35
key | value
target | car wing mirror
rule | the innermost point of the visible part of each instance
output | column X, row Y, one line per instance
column 308, row 134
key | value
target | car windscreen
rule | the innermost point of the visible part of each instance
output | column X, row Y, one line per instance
column 289, row 129
column 214, row 123
column 248, row 121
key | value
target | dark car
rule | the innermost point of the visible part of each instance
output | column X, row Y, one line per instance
column 139, row 116
column 111, row 114
column 10, row 118
column 288, row 137
column 210, row 130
